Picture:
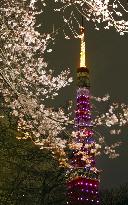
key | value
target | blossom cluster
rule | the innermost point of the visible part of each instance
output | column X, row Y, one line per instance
column 25, row 80
column 113, row 121
column 101, row 12
column 117, row 115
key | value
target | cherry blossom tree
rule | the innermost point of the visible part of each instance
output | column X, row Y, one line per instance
column 114, row 120
column 103, row 13
column 26, row 82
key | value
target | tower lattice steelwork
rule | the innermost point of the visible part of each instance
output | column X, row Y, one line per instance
column 83, row 176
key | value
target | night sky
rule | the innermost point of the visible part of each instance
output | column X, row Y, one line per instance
column 107, row 59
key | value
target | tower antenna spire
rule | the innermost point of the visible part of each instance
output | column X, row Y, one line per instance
column 82, row 24
column 82, row 49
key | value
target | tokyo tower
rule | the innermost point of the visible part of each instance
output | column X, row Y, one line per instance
column 83, row 176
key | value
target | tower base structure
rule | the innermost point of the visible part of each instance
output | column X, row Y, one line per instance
column 82, row 191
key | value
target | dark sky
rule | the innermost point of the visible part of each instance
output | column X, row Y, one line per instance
column 107, row 59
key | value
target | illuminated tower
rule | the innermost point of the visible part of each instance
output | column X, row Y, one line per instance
column 83, row 176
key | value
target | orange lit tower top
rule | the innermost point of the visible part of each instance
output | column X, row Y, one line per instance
column 82, row 52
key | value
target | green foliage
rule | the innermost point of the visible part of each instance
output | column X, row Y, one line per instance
column 118, row 196
column 29, row 176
